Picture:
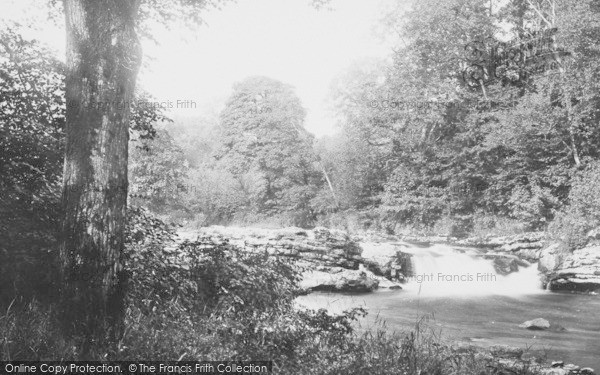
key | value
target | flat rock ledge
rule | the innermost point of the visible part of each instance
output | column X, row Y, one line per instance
column 332, row 259
column 578, row 271
column 575, row 271
column 526, row 246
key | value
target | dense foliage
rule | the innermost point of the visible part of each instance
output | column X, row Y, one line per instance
column 421, row 147
column 435, row 148
column 32, row 121
column 31, row 154
column 254, row 163
column 266, row 149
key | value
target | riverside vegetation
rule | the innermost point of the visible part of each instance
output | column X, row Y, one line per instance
column 518, row 157
column 209, row 300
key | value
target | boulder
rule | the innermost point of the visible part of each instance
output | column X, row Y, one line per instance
column 536, row 324
column 340, row 280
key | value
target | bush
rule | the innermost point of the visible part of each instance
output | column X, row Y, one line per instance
column 203, row 275
column 207, row 299
column 31, row 157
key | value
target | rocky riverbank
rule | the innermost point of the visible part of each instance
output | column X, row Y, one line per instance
column 333, row 260
column 336, row 261
column 574, row 271
column 577, row 271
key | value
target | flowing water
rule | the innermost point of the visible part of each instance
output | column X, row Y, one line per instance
column 468, row 301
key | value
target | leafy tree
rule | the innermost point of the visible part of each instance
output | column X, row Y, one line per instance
column 32, row 128
column 266, row 148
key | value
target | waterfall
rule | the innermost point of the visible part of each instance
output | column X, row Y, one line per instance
column 440, row 270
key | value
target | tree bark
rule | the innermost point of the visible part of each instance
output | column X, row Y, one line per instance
column 103, row 58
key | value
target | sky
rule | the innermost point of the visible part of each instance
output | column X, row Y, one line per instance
column 286, row 40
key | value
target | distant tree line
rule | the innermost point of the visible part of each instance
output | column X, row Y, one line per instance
column 511, row 150
column 499, row 156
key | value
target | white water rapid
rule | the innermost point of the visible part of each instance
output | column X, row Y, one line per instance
column 440, row 270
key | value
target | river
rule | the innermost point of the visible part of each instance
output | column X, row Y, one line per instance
column 466, row 300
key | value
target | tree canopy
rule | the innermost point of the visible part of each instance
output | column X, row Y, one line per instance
column 265, row 147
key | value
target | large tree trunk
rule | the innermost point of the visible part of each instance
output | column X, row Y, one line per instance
column 103, row 58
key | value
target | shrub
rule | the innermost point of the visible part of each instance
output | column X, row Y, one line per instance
column 202, row 275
